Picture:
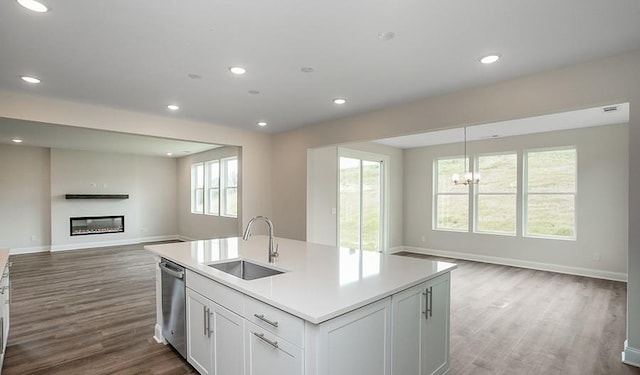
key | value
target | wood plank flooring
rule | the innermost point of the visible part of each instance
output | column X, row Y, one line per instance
column 93, row 312
column 507, row 320
column 86, row 312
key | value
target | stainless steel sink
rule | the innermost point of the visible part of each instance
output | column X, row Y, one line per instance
column 245, row 269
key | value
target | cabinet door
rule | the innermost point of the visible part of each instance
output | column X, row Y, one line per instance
column 199, row 342
column 436, row 326
column 408, row 309
column 228, row 346
column 363, row 333
column 268, row 354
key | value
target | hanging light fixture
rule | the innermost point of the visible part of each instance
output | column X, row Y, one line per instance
column 470, row 178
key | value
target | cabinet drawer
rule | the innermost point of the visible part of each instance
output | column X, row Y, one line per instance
column 285, row 325
column 220, row 294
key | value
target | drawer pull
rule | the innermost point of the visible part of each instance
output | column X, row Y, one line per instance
column 261, row 337
column 271, row 322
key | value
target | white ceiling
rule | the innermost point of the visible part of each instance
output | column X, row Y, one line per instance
column 67, row 137
column 138, row 55
column 582, row 118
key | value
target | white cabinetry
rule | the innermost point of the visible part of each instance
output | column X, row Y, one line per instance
column 345, row 341
column 421, row 328
column 199, row 342
column 269, row 354
column 215, row 335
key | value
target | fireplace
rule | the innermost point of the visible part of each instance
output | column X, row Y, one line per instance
column 81, row 226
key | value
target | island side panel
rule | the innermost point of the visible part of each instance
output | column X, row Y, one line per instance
column 158, row 328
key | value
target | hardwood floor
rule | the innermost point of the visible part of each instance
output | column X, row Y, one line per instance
column 86, row 312
column 507, row 320
column 93, row 312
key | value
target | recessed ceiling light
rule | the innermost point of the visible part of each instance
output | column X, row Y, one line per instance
column 169, row 154
column 237, row 70
column 387, row 35
column 262, row 123
column 339, row 100
column 254, row 92
column 194, row 76
column 33, row 5
column 16, row 140
column 173, row 107
column 306, row 69
column 490, row 59
column 30, row 79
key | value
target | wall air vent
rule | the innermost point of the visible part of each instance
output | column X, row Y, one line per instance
column 612, row 108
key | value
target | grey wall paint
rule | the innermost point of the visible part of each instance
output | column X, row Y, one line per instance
column 25, row 198
column 195, row 226
column 601, row 206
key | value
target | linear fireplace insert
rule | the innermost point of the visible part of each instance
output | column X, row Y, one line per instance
column 81, row 226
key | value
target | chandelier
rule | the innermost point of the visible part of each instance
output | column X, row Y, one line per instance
column 470, row 178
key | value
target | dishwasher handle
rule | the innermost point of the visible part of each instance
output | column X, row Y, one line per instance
column 174, row 273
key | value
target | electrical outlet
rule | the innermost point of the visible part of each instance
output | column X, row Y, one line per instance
column 333, row 211
column 34, row 237
column 423, row 238
column 596, row 257
column 93, row 185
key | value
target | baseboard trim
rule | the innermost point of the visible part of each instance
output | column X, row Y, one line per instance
column 131, row 241
column 598, row 274
column 29, row 250
column 630, row 356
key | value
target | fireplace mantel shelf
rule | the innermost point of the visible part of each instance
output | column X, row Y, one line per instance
column 96, row 196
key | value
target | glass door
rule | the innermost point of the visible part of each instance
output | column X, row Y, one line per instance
column 361, row 202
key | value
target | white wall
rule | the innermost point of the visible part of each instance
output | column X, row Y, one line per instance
column 322, row 188
column 24, row 197
column 195, row 226
column 150, row 212
column 601, row 206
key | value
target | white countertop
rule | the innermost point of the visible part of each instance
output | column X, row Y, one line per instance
column 321, row 281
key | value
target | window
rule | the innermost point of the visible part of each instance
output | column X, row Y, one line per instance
column 451, row 201
column 230, row 187
column 213, row 187
column 219, row 179
column 197, row 188
column 550, row 193
column 496, row 193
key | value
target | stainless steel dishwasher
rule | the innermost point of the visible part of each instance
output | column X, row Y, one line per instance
column 173, row 305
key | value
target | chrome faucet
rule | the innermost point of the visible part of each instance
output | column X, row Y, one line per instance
column 273, row 253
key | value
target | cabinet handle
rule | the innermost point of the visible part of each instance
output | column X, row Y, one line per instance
column 261, row 337
column 271, row 322
column 209, row 330
column 204, row 316
column 428, row 303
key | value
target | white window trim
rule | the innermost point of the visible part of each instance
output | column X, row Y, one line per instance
column 525, row 194
column 384, row 196
column 436, row 193
column 476, row 193
column 222, row 185
column 222, row 199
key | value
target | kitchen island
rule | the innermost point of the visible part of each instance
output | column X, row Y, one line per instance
column 331, row 311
